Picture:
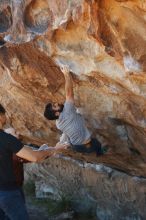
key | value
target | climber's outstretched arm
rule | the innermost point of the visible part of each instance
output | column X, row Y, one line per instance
column 68, row 84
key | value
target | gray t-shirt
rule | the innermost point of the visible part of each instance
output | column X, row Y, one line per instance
column 72, row 124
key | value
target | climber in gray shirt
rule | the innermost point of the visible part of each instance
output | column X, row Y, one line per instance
column 71, row 123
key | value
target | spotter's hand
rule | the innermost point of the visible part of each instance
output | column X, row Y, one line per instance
column 61, row 146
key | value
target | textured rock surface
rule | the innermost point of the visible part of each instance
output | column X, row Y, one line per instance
column 103, row 43
column 110, row 194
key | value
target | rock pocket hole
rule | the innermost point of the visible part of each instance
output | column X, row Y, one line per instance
column 38, row 16
column 5, row 19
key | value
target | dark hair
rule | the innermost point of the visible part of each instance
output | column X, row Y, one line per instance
column 49, row 113
column 2, row 110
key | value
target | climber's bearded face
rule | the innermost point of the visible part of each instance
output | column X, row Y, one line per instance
column 57, row 107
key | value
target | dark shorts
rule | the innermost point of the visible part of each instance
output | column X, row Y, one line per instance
column 93, row 146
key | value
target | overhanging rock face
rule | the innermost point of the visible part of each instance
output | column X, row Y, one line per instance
column 103, row 43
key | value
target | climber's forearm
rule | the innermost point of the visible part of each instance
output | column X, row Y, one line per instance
column 68, row 84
